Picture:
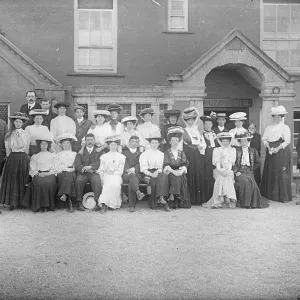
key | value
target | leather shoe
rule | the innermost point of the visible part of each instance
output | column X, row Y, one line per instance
column 140, row 195
column 103, row 209
column 162, row 200
column 132, row 209
column 79, row 206
column 166, row 207
column 96, row 208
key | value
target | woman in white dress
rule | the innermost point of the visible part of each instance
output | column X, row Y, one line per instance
column 64, row 165
column 148, row 129
column 129, row 131
column 224, row 159
column 239, row 119
column 111, row 170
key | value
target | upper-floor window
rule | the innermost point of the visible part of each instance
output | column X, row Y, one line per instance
column 178, row 15
column 95, row 36
column 281, row 33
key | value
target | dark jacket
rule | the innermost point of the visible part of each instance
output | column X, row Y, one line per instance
column 81, row 131
column 24, row 108
column 253, row 158
column 86, row 159
column 132, row 160
column 216, row 129
column 48, row 118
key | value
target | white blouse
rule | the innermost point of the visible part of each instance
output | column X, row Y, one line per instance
column 151, row 159
column 42, row 161
column 109, row 131
column 18, row 142
column 100, row 133
column 196, row 137
column 245, row 157
column 112, row 163
column 224, row 157
column 148, row 129
column 238, row 131
column 62, row 124
column 35, row 132
column 64, row 160
column 275, row 132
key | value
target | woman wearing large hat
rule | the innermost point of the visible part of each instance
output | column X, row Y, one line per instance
column 148, row 128
column 239, row 118
column 194, row 148
column 114, row 127
column 247, row 161
column 16, row 170
column 223, row 159
column 276, row 178
column 41, row 192
column 151, row 164
column 175, row 165
column 111, row 171
column 64, row 165
column 37, row 129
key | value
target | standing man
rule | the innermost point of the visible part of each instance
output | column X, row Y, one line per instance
column 132, row 174
column 82, row 127
column 31, row 103
column 86, row 165
column 49, row 116
column 3, row 132
column 221, row 120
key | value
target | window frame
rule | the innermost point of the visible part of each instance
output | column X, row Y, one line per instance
column 89, row 69
column 186, row 17
column 288, row 38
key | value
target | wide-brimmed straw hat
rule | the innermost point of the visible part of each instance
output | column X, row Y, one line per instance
column 279, row 110
column 20, row 116
column 224, row 135
column 148, row 110
column 66, row 136
column 79, row 107
column 172, row 112
column 238, row 116
column 38, row 112
column 102, row 112
column 114, row 107
column 189, row 113
column 244, row 136
column 46, row 137
column 132, row 119
column 89, row 201
column 154, row 137
column 59, row 104
column 221, row 115
column 113, row 138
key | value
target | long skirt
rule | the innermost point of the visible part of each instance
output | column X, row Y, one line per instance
column 248, row 191
column 66, row 184
column 15, row 176
column 276, row 179
column 159, row 187
column 111, row 191
column 209, row 180
column 224, row 187
column 195, row 175
column 178, row 186
column 41, row 193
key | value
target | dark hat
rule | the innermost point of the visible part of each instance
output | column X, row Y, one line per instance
column 148, row 110
column 113, row 138
column 172, row 112
column 59, row 104
column 79, row 107
column 224, row 136
column 114, row 107
column 154, row 137
column 38, row 112
column 20, row 116
column 207, row 118
column 244, row 136
column 190, row 113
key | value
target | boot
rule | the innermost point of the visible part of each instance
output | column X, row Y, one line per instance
column 166, row 207
column 71, row 208
column 132, row 209
column 103, row 209
column 79, row 206
column 140, row 195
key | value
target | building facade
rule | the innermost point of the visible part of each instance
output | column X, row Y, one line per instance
column 217, row 55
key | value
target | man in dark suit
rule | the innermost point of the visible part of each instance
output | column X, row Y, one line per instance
column 132, row 174
column 31, row 103
column 86, row 165
column 45, row 104
column 221, row 120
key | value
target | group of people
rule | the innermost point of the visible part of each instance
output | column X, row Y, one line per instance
column 51, row 158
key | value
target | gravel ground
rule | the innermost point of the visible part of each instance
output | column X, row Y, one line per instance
column 150, row 254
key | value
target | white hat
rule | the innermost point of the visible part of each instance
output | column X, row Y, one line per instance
column 37, row 111
column 45, row 137
column 279, row 110
column 101, row 112
column 66, row 136
column 129, row 119
column 89, row 201
column 238, row 116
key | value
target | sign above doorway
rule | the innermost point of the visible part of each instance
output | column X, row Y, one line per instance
column 218, row 103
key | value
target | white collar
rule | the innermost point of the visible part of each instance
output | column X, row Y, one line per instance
column 80, row 120
column 31, row 105
column 221, row 127
column 133, row 150
column 89, row 148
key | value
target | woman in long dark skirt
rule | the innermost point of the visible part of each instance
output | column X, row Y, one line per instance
column 194, row 149
column 276, row 179
column 175, row 165
column 41, row 192
column 247, row 161
column 66, row 175
column 16, row 171
column 211, row 143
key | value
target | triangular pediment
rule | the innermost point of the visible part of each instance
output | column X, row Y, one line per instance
column 234, row 48
column 25, row 66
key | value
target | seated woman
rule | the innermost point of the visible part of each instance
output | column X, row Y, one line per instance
column 129, row 131
column 41, row 192
column 247, row 161
column 151, row 164
column 111, row 170
column 224, row 159
column 175, row 165
column 64, row 165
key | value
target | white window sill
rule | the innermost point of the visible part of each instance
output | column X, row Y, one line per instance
column 177, row 32
column 95, row 74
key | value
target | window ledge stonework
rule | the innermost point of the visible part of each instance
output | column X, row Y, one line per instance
column 95, row 74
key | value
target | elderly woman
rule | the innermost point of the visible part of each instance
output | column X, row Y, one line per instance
column 224, row 159
column 64, row 165
column 276, row 179
column 16, row 171
column 36, row 130
column 148, row 128
column 247, row 161
column 111, row 170
column 151, row 164
column 194, row 149
column 175, row 165
column 41, row 193
column 239, row 118
column 129, row 131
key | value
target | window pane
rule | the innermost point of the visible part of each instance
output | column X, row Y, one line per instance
column 282, row 45
column 84, row 22
column 95, row 4
column 106, row 20
column 106, row 58
column 126, row 111
column 269, row 45
column 106, row 38
column 272, row 54
column 270, row 13
column 177, row 8
column 270, row 27
column 295, row 58
column 139, row 108
column 95, row 19
column 294, row 44
column 95, row 57
column 102, row 106
column 177, row 22
column 282, row 58
column 283, row 27
column 83, row 57
column 283, row 18
column 295, row 21
column 95, row 38
column 83, row 38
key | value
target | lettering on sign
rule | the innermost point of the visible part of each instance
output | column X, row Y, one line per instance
column 227, row 103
